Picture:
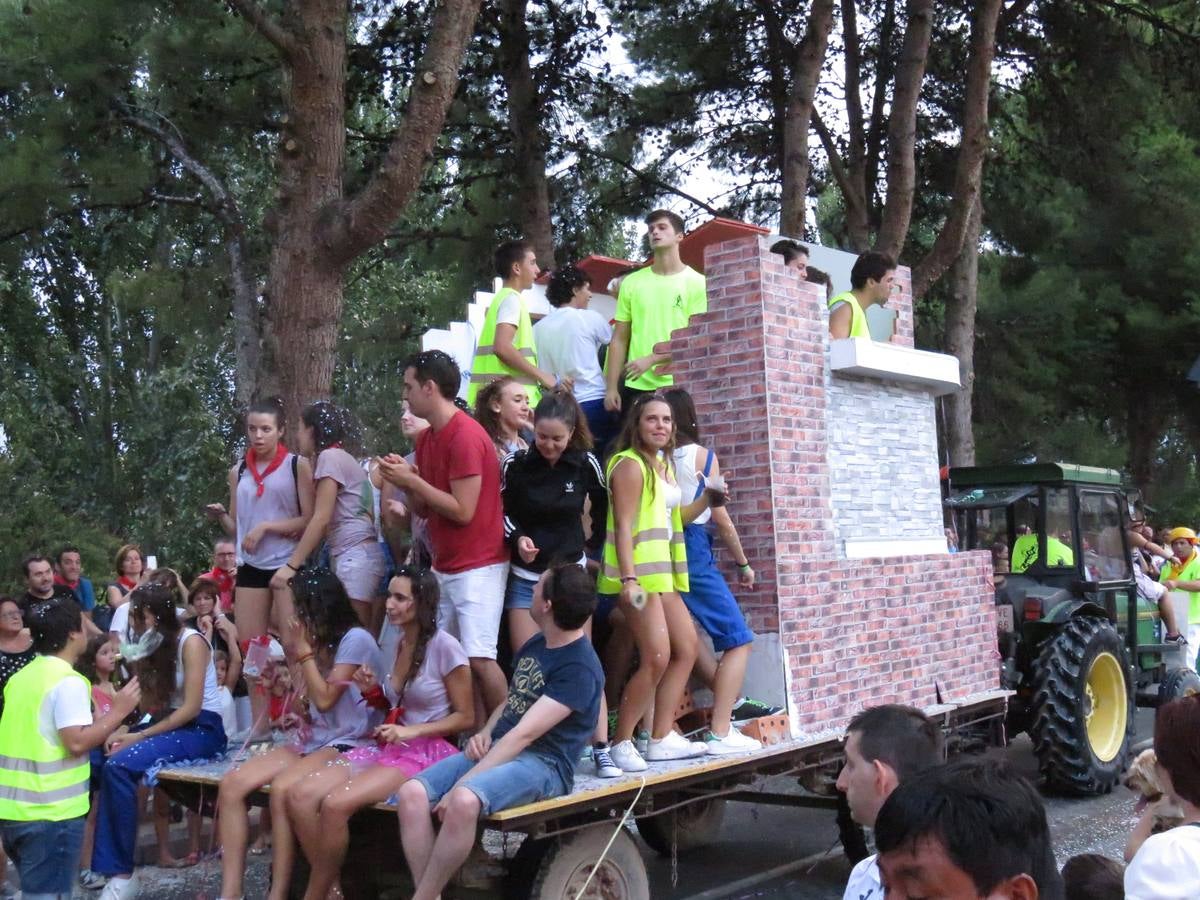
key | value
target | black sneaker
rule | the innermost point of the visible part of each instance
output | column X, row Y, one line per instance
column 745, row 709
column 1175, row 639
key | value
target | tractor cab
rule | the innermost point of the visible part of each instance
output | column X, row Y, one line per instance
column 1077, row 643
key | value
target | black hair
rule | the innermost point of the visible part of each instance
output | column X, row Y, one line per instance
column 439, row 367
column 51, row 623
column 269, row 406
column 571, row 593
column 561, row 404
column 902, row 737
column 156, row 673
column 789, row 249
column 683, row 410
column 508, row 255
column 324, row 608
column 86, row 664
column 990, row 821
column 64, row 549
column 1090, row 876
column 31, row 559
column 675, row 219
column 332, row 425
column 870, row 266
column 425, row 597
column 816, row 276
column 563, row 284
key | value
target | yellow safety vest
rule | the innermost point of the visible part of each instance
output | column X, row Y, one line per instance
column 487, row 367
column 858, row 318
column 659, row 554
column 1025, row 553
column 39, row 779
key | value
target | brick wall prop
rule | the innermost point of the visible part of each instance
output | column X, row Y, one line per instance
column 854, row 632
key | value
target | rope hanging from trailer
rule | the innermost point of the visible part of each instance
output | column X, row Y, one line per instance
column 608, row 846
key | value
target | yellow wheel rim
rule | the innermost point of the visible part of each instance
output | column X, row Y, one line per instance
column 1106, row 707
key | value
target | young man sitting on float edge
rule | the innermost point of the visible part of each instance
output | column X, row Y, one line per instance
column 530, row 745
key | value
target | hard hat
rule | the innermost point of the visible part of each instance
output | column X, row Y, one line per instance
column 1182, row 533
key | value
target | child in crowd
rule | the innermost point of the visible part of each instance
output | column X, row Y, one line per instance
column 428, row 691
column 46, row 728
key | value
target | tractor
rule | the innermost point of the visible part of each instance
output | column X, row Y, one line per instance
column 1077, row 645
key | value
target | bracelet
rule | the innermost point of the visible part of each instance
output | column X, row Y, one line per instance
column 305, row 658
column 744, row 565
column 289, row 566
column 627, row 578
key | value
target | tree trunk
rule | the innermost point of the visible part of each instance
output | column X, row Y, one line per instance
column 902, row 129
column 961, row 306
column 810, row 57
column 532, row 194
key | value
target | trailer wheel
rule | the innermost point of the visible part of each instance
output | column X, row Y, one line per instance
column 1178, row 683
column 851, row 834
column 1082, row 712
column 567, row 862
column 693, row 825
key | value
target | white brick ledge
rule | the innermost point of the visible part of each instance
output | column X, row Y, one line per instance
column 937, row 373
column 881, row 549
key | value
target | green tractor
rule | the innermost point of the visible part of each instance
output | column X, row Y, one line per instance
column 1078, row 647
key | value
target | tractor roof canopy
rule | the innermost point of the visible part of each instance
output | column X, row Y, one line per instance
column 1032, row 474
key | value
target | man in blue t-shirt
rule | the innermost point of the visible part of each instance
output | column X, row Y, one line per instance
column 527, row 750
column 69, row 574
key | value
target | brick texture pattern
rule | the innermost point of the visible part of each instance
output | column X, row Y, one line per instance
column 855, row 632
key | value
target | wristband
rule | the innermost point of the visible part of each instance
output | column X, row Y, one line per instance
column 627, row 578
column 305, row 658
column 744, row 565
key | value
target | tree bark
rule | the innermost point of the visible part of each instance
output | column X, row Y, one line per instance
column 810, row 57
column 961, row 306
column 968, row 174
column 902, row 129
column 532, row 196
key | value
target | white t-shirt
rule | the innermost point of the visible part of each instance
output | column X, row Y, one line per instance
column 509, row 312
column 568, row 341
column 65, row 705
column 864, row 883
column 1166, row 866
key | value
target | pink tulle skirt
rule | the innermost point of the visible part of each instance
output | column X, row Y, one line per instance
column 410, row 757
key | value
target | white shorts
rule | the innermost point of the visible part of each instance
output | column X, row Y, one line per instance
column 471, row 605
column 360, row 569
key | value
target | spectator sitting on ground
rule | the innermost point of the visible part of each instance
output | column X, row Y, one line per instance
column 530, row 746
column 972, row 828
column 1090, row 876
column 884, row 745
column 1166, row 866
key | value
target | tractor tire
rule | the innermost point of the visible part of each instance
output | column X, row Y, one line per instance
column 852, row 835
column 1082, row 710
column 1178, row 683
column 695, row 825
column 568, row 861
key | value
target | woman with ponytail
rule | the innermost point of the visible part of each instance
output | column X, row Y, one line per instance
column 343, row 512
column 427, row 690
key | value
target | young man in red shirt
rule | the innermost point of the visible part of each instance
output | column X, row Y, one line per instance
column 455, row 485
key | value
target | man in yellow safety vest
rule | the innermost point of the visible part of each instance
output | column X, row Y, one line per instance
column 1183, row 574
column 46, row 732
column 871, row 282
column 506, row 345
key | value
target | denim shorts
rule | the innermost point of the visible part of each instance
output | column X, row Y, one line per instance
column 525, row 779
column 46, row 855
column 708, row 597
column 519, row 594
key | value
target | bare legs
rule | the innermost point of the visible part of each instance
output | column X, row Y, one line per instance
column 433, row 862
column 666, row 642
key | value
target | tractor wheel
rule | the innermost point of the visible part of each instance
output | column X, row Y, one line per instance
column 1178, row 683
column 688, row 827
column 853, row 836
column 568, row 861
column 1082, row 714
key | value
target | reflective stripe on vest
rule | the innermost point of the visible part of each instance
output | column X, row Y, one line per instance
column 858, row 318
column 659, row 553
column 487, row 367
column 39, row 779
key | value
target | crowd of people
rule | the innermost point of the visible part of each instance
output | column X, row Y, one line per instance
column 429, row 628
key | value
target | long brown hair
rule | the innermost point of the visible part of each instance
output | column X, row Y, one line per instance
column 156, row 673
column 630, row 438
column 561, row 404
column 484, row 414
column 425, row 598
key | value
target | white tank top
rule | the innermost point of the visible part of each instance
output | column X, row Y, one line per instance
column 279, row 501
column 689, row 480
column 212, row 696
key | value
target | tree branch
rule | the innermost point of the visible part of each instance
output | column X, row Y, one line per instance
column 646, row 177
column 367, row 218
column 265, row 25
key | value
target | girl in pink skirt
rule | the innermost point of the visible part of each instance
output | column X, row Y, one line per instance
column 428, row 691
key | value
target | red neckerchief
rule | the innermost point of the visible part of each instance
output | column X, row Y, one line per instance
column 223, row 579
column 281, row 453
column 58, row 579
column 128, row 582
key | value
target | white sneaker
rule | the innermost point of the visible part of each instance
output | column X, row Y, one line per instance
column 626, row 757
column 605, row 767
column 674, row 746
column 734, row 742
column 120, row 888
